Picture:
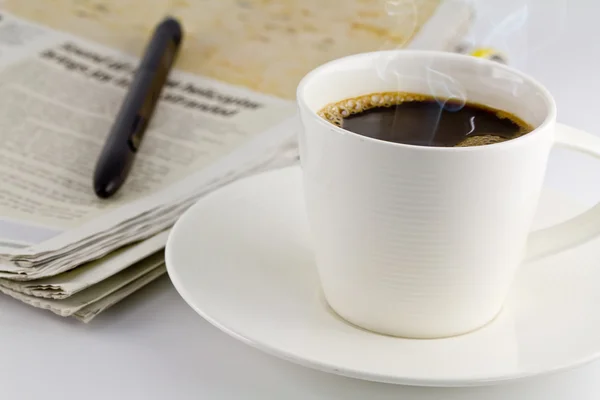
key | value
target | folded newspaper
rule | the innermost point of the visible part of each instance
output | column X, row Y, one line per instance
column 64, row 250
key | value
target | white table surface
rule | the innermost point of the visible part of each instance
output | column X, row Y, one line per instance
column 153, row 346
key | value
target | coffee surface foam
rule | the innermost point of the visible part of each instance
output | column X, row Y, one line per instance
column 337, row 111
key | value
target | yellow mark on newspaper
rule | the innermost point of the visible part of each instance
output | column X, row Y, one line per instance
column 263, row 45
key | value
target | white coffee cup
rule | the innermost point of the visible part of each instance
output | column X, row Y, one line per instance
column 419, row 241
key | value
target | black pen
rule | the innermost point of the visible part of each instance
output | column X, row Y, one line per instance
column 127, row 132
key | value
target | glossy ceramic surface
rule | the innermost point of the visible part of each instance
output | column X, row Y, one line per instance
column 242, row 258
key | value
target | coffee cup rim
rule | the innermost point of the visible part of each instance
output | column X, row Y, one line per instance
column 548, row 98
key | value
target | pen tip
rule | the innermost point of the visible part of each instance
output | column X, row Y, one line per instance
column 104, row 191
column 172, row 25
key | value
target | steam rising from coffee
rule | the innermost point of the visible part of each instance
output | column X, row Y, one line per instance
column 449, row 94
column 447, row 91
column 425, row 104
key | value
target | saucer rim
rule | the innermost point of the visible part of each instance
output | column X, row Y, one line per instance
column 355, row 373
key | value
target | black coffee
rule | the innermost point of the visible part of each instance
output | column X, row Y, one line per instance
column 424, row 121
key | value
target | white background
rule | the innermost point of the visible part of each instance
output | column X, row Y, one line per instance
column 153, row 346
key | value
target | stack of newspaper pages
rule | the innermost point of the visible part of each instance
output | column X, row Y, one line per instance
column 65, row 250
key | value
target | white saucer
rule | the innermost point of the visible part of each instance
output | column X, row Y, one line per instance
column 242, row 259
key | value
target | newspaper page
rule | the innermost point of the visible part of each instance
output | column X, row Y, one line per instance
column 74, row 86
column 266, row 46
column 67, row 284
column 106, row 290
column 203, row 128
column 58, row 97
column 89, row 312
